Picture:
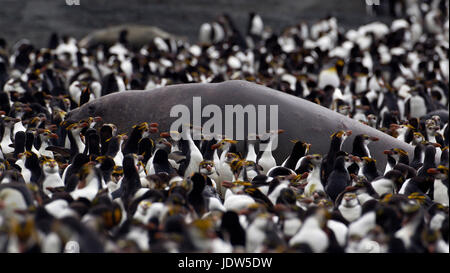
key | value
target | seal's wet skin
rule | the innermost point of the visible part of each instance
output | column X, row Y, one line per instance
column 299, row 118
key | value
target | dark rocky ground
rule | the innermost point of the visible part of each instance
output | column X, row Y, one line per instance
column 37, row 19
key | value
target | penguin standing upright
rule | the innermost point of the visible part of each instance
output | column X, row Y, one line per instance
column 232, row 230
column 313, row 180
column 415, row 106
column 130, row 182
column 6, row 141
column 191, row 152
column 255, row 28
column 299, row 150
column 196, row 197
column 161, row 163
column 428, row 162
column 394, row 156
column 369, row 169
column 32, row 163
column 131, row 146
column 50, row 178
column 349, row 206
column 339, row 178
column 337, row 140
column 440, row 190
column 389, row 183
column 312, row 232
column 251, row 154
column 266, row 159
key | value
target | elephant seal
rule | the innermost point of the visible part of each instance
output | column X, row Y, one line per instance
column 301, row 119
column 137, row 35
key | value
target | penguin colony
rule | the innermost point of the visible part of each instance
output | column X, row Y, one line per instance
column 144, row 192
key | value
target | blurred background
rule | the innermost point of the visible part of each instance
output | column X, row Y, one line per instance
column 37, row 19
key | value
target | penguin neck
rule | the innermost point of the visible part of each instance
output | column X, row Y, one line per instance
column 341, row 143
column 361, row 170
column 431, row 136
column 268, row 149
column 413, row 222
column 44, row 145
column 120, row 146
column 194, row 152
column 293, row 158
column 311, row 223
column 78, row 142
column 251, row 155
column 54, row 175
column 340, row 167
column 336, row 144
column 174, row 147
column 391, row 162
column 223, row 156
column 19, row 126
column 20, row 162
column 92, row 184
column 216, row 156
column 7, row 135
column 361, row 148
column 315, row 174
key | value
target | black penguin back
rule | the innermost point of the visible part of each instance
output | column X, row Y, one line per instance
column 338, row 179
column 297, row 152
column 19, row 143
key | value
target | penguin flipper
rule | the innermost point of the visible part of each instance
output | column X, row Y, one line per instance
column 177, row 156
column 60, row 150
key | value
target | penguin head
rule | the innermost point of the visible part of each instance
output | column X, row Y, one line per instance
column 350, row 200
column 252, row 166
column 396, row 153
column 431, row 127
column 117, row 173
column 50, row 166
column 395, row 176
column 207, row 167
column 236, row 165
column 418, row 138
column 230, row 157
column 9, row 121
column 341, row 135
column 46, row 134
column 315, row 159
column 349, row 160
column 224, row 144
column 77, row 127
column 368, row 139
column 299, row 181
column 237, row 187
column 372, row 119
column 412, row 205
column 300, row 147
column 441, row 172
